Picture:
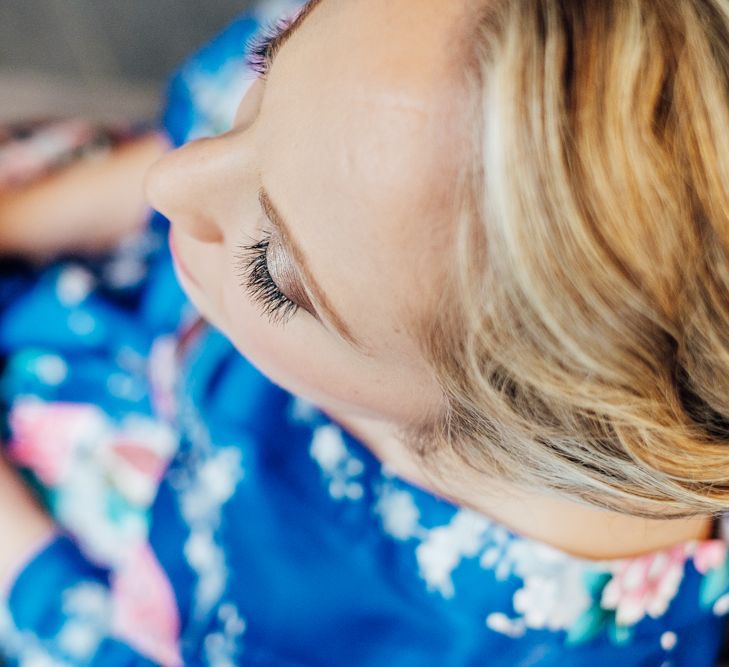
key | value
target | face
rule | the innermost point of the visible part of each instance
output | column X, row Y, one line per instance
column 313, row 233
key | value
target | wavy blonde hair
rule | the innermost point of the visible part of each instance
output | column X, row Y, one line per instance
column 583, row 346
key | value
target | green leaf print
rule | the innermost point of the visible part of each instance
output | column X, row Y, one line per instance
column 713, row 585
column 587, row 626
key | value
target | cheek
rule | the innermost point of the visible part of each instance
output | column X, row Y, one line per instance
column 305, row 359
column 295, row 356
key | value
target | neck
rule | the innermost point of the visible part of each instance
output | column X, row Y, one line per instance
column 583, row 531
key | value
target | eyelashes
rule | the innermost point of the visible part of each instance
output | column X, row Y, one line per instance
column 252, row 268
column 251, row 261
column 261, row 48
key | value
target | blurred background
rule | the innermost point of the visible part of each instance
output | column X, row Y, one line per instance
column 100, row 58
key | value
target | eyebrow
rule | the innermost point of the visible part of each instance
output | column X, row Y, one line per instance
column 276, row 219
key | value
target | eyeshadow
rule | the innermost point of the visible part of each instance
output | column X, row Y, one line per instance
column 286, row 276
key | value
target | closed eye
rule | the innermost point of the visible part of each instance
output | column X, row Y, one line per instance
column 252, row 268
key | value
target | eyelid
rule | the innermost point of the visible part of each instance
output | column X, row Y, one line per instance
column 286, row 275
column 330, row 315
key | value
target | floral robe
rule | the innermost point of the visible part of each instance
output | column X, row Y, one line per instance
column 207, row 517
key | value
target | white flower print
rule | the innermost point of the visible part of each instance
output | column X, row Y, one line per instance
column 222, row 646
column 201, row 503
column 341, row 468
column 203, row 488
column 73, row 285
column 399, row 513
column 553, row 595
column 50, row 369
column 443, row 548
column 87, row 606
column 512, row 627
column 86, row 611
column 721, row 606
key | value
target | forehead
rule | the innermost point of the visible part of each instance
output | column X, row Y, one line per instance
column 359, row 131
column 385, row 68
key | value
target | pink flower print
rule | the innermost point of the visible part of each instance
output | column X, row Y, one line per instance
column 710, row 554
column 136, row 470
column 644, row 585
column 163, row 370
column 145, row 613
column 45, row 436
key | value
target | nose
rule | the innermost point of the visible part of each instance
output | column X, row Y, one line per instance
column 184, row 186
column 198, row 185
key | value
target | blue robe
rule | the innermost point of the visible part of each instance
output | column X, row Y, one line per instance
column 208, row 517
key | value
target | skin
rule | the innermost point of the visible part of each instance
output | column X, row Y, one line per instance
column 62, row 211
column 354, row 207
column 355, row 135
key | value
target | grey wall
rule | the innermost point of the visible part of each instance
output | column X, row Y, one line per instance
column 98, row 58
column 137, row 40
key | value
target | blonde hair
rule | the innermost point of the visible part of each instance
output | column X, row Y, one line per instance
column 583, row 346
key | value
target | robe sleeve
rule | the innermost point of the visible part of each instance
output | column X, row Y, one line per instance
column 62, row 609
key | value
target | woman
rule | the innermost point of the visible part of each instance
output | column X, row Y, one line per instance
column 475, row 252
